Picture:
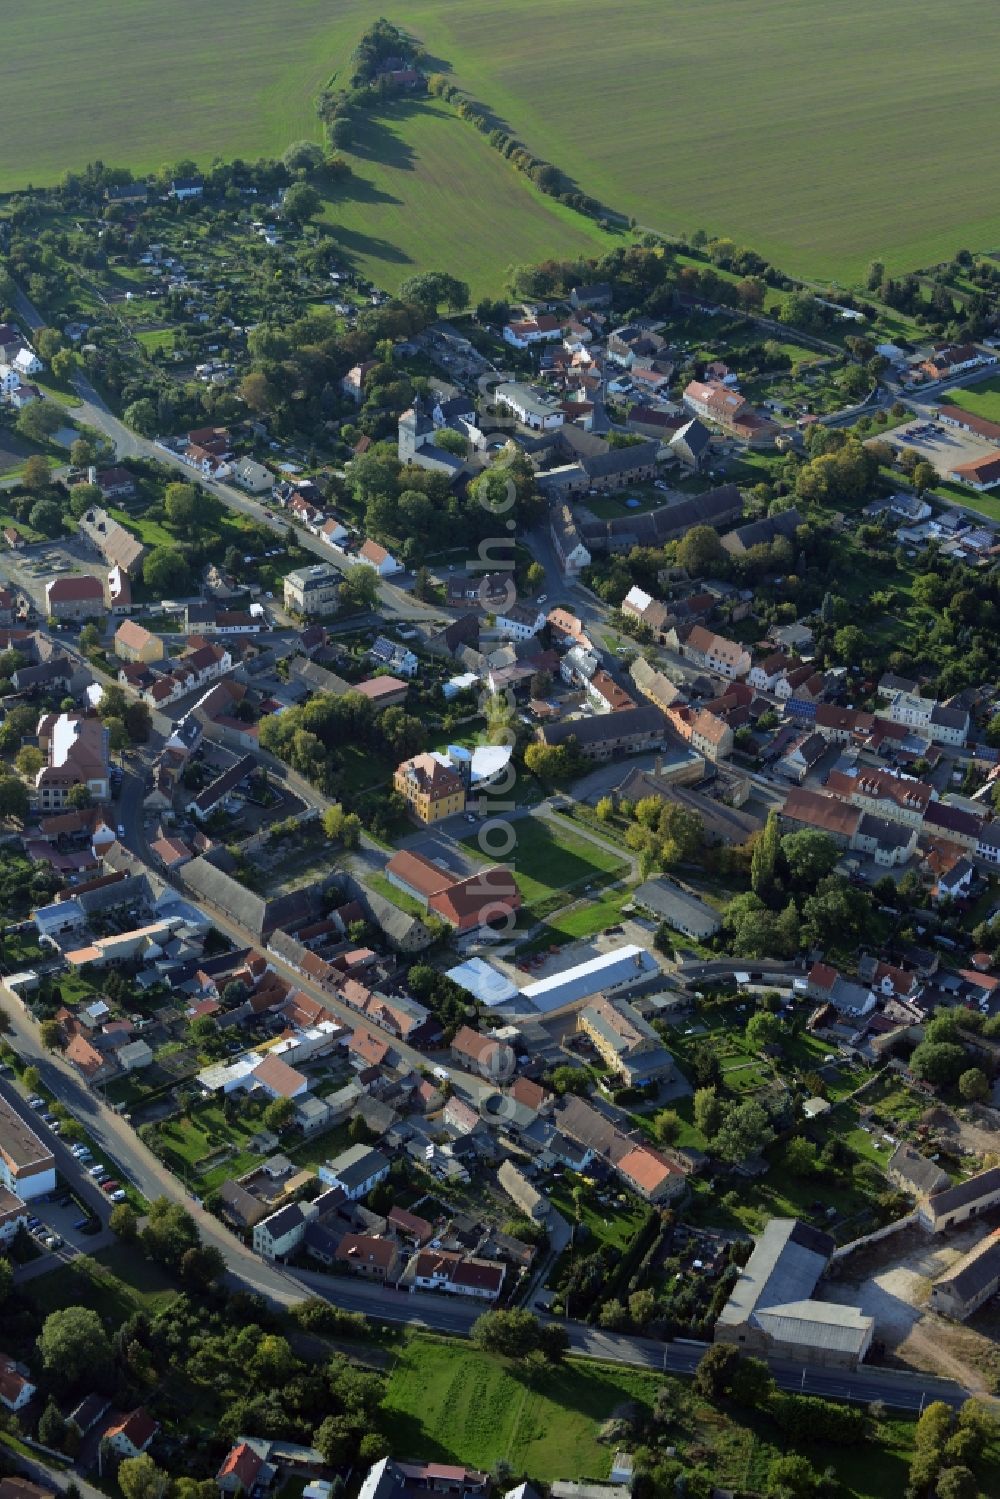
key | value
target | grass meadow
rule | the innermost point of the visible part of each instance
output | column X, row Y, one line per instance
column 447, row 1402
column 823, row 135
column 982, row 399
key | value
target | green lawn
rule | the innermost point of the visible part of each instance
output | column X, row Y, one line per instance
column 828, row 125
column 609, row 1224
column 446, row 1402
column 391, row 892
column 114, row 1283
column 548, row 860
column 982, row 399
column 185, row 1144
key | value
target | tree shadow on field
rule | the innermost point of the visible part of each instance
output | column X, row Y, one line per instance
column 354, row 242
column 378, row 140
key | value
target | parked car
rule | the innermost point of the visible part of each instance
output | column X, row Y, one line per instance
column 117, row 1196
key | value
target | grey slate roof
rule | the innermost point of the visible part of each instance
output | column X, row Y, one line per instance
column 787, row 1261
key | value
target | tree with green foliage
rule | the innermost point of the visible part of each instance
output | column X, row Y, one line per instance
column 809, row 856
column 717, row 1367
column 701, row 553
column 279, row 1114
column 140, row 1478
column 170, row 1231
column 52, row 1426
column 45, row 516
column 800, row 1157
column 791, row 1477
column 303, row 156
column 708, row 1111
column 957, row 1483
column 180, row 502
column 301, row 203
column 763, row 1029
column 974, row 1085
column 141, row 417
column 124, row 1222
column 667, row 1126
column 138, row 722
column 165, row 571
column 745, row 1131
column 29, row 760
column 513, row 1334
column 14, row 803
column 764, row 863
column 40, row 420
column 430, row 288
column 73, row 1347
column 50, row 1034
column 36, row 476
column 938, row 1062
column 359, row 589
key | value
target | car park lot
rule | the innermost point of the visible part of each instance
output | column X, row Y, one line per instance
column 945, row 447
column 77, row 1199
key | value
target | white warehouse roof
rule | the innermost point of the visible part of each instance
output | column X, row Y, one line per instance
column 605, row 971
column 483, row 981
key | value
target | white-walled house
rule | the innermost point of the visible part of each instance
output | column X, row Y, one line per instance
column 27, row 362
column 373, row 555
column 521, row 621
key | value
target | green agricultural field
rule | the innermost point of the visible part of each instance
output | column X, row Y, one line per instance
column 821, row 134
column 982, row 399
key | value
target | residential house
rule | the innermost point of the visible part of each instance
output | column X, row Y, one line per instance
column 79, row 597
column 130, row 1436
column 355, row 1171
column 448, row 1271
column 521, row 333
column 571, row 551
column 16, row 1388
column 244, row 1473
column 712, row 652
column 313, row 591
column 76, row 754
column 431, row 789
column 633, row 731
column 353, row 383
column 373, row 555
column 280, row 1234
column 370, row 1256
column 253, row 476
column 135, row 643
column 519, row 1189
column 395, row 657
column 626, row 1042
column 520, row 621
column 476, row 1052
